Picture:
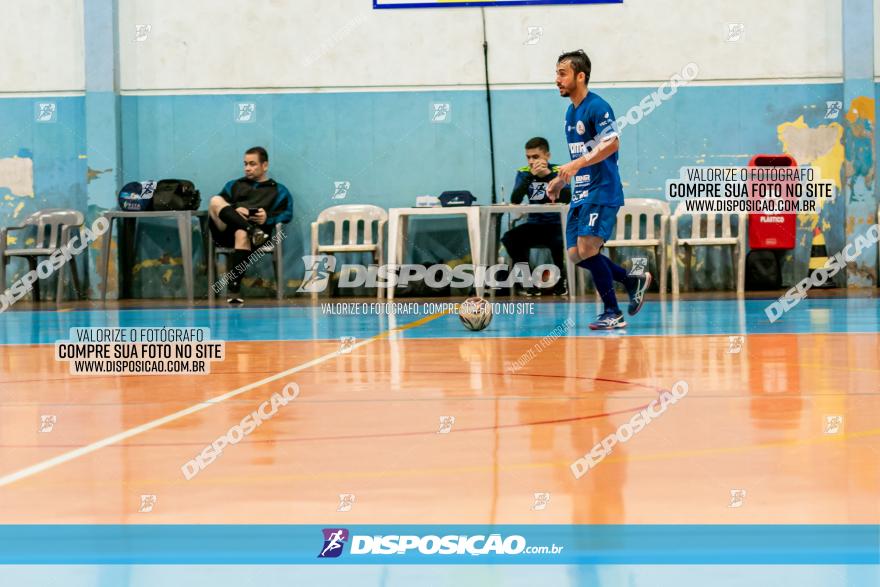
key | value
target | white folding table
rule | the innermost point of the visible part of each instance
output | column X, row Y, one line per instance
column 479, row 223
column 490, row 243
column 397, row 228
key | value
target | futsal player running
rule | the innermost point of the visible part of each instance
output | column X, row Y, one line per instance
column 598, row 193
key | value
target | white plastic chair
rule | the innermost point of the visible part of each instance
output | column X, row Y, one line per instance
column 705, row 233
column 54, row 226
column 633, row 211
column 354, row 215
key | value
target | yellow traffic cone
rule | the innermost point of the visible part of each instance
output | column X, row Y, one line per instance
column 819, row 254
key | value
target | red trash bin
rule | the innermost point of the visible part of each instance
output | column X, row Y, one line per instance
column 772, row 231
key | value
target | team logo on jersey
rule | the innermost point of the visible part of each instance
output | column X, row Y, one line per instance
column 539, row 191
column 334, row 541
column 580, row 128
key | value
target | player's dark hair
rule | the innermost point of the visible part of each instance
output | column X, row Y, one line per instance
column 260, row 152
column 538, row 143
column 579, row 63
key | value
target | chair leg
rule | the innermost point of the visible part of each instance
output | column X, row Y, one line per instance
column 212, row 262
column 106, row 240
column 660, row 255
column 32, row 263
column 313, row 294
column 184, row 231
column 688, row 275
column 377, row 258
column 205, row 232
column 74, row 274
column 277, row 272
column 734, row 269
column 59, row 285
column 741, row 268
column 278, row 258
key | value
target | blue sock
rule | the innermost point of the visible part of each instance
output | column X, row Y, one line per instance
column 603, row 280
column 617, row 272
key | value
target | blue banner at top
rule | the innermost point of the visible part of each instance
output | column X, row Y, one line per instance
column 462, row 4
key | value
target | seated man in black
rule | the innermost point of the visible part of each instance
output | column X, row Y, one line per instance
column 539, row 230
column 244, row 213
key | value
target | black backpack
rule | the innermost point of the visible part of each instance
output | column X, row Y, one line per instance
column 176, row 194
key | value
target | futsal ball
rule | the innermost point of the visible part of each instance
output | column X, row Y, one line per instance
column 475, row 313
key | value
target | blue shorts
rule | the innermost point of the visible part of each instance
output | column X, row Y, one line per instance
column 590, row 220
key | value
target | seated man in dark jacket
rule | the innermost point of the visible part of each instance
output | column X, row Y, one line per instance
column 539, row 230
column 245, row 212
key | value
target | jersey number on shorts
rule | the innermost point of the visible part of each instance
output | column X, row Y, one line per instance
column 593, row 217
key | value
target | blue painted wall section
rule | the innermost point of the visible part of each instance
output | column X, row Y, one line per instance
column 860, row 125
column 46, row 134
column 102, row 119
column 390, row 151
column 386, row 145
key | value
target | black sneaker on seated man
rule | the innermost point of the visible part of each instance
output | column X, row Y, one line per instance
column 257, row 236
column 233, row 294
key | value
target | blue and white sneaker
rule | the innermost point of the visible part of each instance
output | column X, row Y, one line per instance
column 637, row 289
column 608, row 320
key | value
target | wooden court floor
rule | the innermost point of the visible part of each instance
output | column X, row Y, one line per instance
column 753, row 424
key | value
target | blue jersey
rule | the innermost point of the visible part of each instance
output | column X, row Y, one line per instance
column 599, row 183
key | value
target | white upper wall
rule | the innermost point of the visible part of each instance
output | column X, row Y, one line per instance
column 41, row 46
column 345, row 43
column 649, row 40
column 221, row 44
column 296, row 44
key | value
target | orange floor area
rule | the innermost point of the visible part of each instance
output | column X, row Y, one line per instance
column 367, row 424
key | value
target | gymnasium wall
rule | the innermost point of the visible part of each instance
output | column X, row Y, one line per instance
column 206, row 45
column 350, row 98
column 41, row 46
column 41, row 61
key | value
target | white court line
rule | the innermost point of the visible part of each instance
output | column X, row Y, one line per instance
column 84, row 450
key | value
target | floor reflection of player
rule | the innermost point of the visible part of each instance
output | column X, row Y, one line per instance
column 597, row 497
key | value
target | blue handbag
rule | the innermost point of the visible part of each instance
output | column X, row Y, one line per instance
column 456, row 198
column 137, row 196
